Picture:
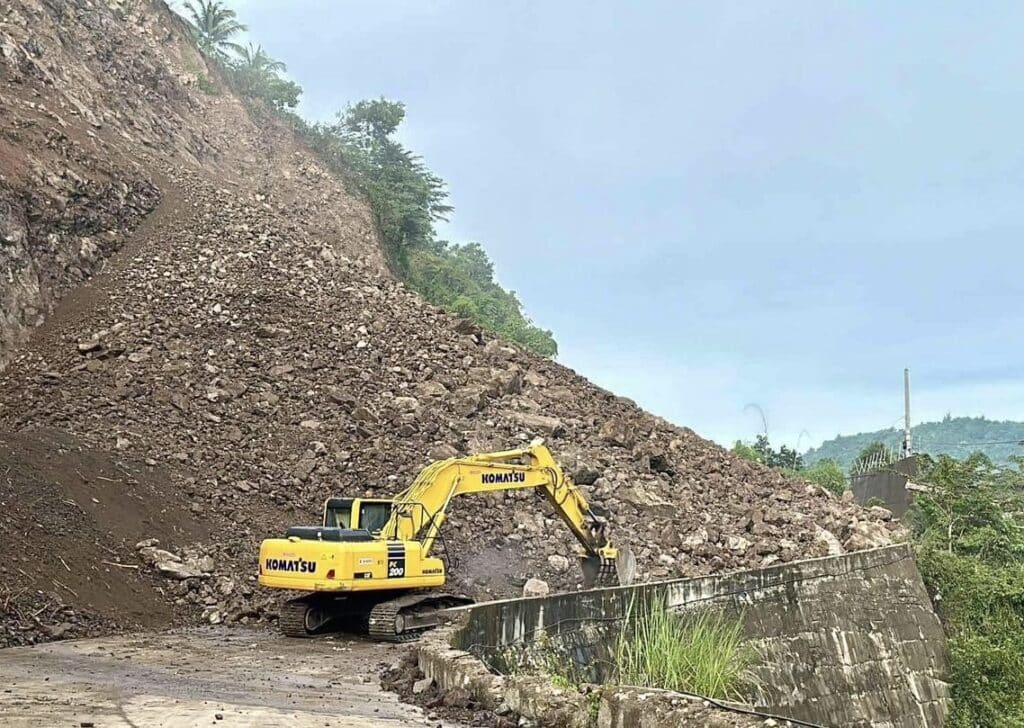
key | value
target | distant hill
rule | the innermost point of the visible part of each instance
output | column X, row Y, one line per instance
column 956, row 436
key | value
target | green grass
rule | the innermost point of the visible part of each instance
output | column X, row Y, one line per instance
column 703, row 653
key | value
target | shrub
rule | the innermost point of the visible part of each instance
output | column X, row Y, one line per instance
column 827, row 474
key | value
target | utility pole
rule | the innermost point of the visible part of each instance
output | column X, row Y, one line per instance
column 907, row 448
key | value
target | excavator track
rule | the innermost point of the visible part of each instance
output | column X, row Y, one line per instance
column 405, row 618
column 383, row 623
column 292, row 619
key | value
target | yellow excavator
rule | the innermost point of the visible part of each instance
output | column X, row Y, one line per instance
column 371, row 565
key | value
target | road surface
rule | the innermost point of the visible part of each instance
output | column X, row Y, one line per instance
column 205, row 677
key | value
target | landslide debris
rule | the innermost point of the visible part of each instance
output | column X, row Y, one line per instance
column 247, row 344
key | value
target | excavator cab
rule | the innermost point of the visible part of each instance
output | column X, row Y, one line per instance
column 366, row 514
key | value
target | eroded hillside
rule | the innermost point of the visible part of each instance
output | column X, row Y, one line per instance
column 245, row 354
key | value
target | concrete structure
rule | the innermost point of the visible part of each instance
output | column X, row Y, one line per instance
column 850, row 640
column 892, row 486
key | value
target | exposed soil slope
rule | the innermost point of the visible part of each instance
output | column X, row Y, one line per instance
column 248, row 349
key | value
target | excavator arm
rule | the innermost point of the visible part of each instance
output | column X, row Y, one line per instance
column 420, row 510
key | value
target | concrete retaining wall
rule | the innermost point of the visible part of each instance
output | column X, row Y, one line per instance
column 848, row 641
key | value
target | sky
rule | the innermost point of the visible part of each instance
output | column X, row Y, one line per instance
column 720, row 208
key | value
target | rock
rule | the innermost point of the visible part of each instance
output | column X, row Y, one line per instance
column 558, row 563
column 882, row 514
column 442, row 452
column 457, row 698
column 507, row 381
column 617, row 432
column 85, row 347
column 563, row 395
column 862, row 535
column 551, row 426
column 340, row 397
column 422, row 685
column 151, row 555
column 177, row 570
column 469, row 399
column 834, row 548
column 362, row 414
column 639, row 495
column 737, row 544
column 695, row 539
column 58, row 631
column 146, row 543
column 535, row 379
column 536, row 588
column 406, row 404
column 431, row 389
column 585, row 475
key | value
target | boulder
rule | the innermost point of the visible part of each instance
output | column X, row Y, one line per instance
column 536, row 588
column 539, row 424
column 617, row 432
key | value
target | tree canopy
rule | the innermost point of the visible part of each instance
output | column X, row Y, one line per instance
column 214, row 25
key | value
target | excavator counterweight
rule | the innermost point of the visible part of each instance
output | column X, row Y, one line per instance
column 371, row 566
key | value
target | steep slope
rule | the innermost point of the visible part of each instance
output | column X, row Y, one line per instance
column 100, row 100
column 246, row 354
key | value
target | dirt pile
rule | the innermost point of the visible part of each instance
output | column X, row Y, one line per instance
column 247, row 346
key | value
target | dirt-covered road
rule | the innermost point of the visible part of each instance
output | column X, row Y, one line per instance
column 206, row 677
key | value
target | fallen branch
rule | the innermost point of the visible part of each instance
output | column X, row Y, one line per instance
column 60, row 583
column 120, row 566
column 65, row 564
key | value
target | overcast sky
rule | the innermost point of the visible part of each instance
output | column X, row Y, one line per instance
column 721, row 204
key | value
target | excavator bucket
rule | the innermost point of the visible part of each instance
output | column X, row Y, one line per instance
column 599, row 572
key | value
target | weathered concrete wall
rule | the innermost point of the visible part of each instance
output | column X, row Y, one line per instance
column 850, row 640
column 889, row 486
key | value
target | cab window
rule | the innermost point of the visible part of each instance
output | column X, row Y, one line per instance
column 373, row 516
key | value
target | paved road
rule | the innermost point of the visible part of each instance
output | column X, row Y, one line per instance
column 190, row 677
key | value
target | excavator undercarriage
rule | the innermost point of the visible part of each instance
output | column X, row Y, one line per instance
column 385, row 616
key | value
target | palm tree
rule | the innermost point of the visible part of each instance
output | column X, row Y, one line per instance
column 213, row 26
column 253, row 59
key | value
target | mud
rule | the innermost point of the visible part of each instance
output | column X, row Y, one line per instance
column 203, row 677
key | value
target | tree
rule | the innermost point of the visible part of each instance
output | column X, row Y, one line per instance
column 747, row 452
column 970, row 549
column 371, row 121
column 256, row 74
column 762, row 452
column 406, row 197
column 968, row 509
column 213, row 26
column 253, row 59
